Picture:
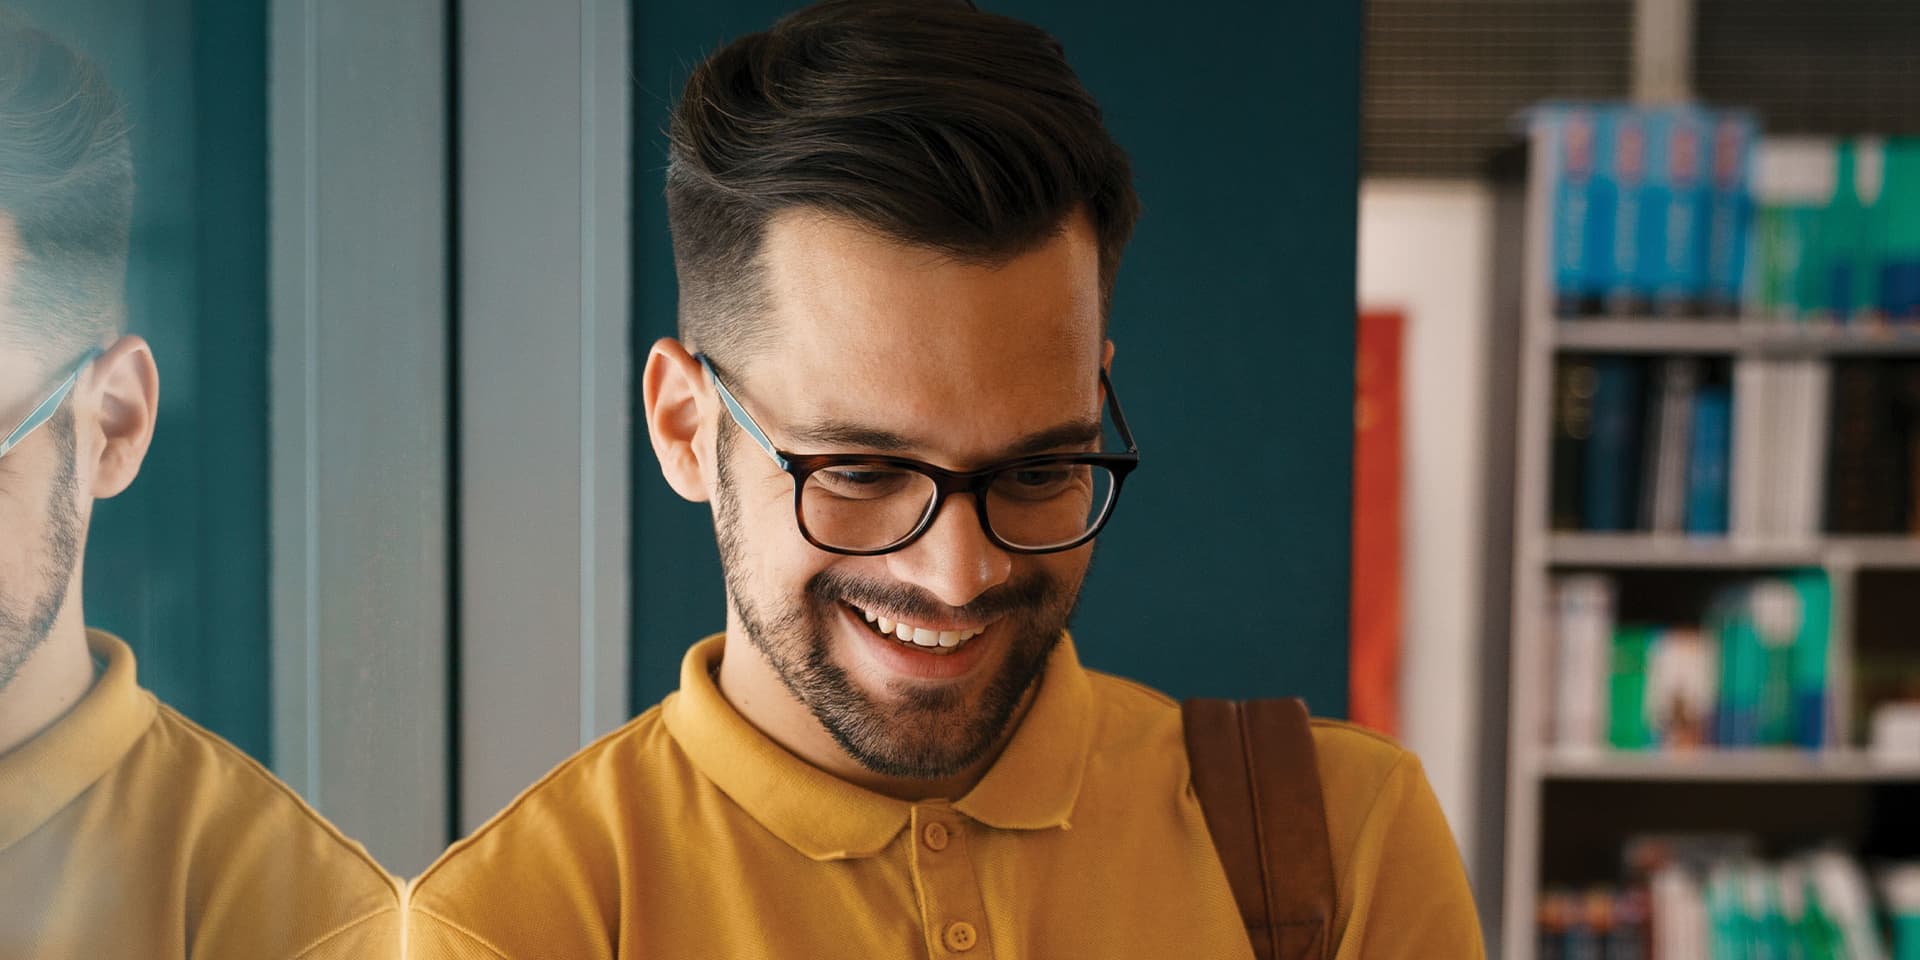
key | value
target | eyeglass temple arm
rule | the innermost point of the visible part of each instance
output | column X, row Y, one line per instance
column 1119, row 418
column 740, row 414
column 44, row 412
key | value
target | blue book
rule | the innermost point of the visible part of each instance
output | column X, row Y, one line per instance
column 1709, row 463
column 1730, row 209
column 1810, row 652
column 1619, row 195
column 1578, row 236
column 1672, row 250
column 1613, row 454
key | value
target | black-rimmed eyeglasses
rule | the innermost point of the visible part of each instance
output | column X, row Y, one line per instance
column 863, row 505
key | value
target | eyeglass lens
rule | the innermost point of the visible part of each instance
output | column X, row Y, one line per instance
column 872, row 506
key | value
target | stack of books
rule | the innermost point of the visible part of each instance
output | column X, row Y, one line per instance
column 1753, row 672
column 1836, row 232
column 1650, row 207
column 1765, row 449
column 1640, row 445
column 1873, row 473
column 1711, row 897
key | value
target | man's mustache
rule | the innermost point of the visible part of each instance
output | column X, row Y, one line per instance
column 1032, row 593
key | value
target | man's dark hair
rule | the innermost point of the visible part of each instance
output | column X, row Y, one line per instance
column 928, row 121
column 66, row 189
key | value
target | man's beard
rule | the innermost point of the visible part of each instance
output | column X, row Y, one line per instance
column 926, row 733
column 21, row 634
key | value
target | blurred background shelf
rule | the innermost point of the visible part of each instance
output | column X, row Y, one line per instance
column 1644, row 335
column 1760, row 766
column 1626, row 551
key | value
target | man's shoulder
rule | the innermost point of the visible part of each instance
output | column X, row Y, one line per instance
column 572, row 829
column 1350, row 758
column 1372, row 755
column 239, row 811
column 212, row 811
column 581, row 804
column 1128, row 712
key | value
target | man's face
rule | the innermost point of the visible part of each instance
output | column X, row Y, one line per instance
column 40, row 522
column 957, row 364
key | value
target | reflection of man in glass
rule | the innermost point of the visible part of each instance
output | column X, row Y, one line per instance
column 125, row 830
column 896, row 227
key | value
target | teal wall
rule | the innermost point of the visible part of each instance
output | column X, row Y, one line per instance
column 178, row 564
column 1225, row 571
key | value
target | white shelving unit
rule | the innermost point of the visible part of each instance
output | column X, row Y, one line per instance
column 1539, row 552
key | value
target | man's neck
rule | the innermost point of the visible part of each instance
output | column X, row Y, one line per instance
column 48, row 685
column 754, row 690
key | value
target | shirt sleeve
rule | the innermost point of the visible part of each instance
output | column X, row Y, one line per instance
column 1410, row 893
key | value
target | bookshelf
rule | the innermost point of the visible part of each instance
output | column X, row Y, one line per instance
column 1638, row 551
column 1539, row 775
column 1744, row 766
column 1729, row 336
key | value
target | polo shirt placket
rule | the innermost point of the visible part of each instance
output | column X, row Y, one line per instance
column 953, row 916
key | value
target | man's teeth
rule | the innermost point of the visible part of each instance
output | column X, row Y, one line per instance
column 920, row 636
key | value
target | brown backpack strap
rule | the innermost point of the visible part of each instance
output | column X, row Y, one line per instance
column 1259, row 786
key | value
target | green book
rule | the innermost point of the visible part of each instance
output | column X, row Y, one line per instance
column 1778, row 618
column 1627, row 723
column 1727, row 918
column 1812, row 698
column 1900, row 225
column 1810, row 283
column 1851, row 228
column 1742, row 671
column 1768, row 937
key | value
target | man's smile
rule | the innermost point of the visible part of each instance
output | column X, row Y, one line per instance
column 931, row 635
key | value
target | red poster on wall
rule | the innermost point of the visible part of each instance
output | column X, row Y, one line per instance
column 1374, row 666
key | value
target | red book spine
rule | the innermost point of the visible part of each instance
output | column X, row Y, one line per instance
column 1374, row 666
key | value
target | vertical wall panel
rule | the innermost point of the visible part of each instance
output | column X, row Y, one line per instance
column 360, row 416
column 544, row 225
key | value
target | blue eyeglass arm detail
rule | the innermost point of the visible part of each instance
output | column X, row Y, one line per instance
column 740, row 414
column 44, row 412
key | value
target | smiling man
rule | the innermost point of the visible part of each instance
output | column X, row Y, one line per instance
column 897, row 227
column 125, row 830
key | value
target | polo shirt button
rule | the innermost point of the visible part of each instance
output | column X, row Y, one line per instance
column 936, row 836
column 961, row 936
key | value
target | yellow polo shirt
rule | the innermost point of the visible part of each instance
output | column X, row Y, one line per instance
column 688, row 833
column 127, row 831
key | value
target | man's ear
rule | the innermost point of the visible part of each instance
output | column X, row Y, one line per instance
column 673, row 387
column 1106, row 358
column 123, row 394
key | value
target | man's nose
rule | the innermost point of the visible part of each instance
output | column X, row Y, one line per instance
column 953, row 560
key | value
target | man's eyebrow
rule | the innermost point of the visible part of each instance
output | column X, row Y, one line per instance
column 840, row 433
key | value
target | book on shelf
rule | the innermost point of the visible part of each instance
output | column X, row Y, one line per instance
column 1650, row 207
column 1583, row 620
column 1710, row 896
column 1836, row 231
column 1612, row 460
column 1709, row 461
column 1779, row 448
column 1572, row 428
column 1751, row 673
column 1768, row 450
column 1688, row 211
column 1873, row 470
column 1670, row 422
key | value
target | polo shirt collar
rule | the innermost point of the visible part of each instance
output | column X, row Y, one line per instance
column 1033, row 785
column 43, row 775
